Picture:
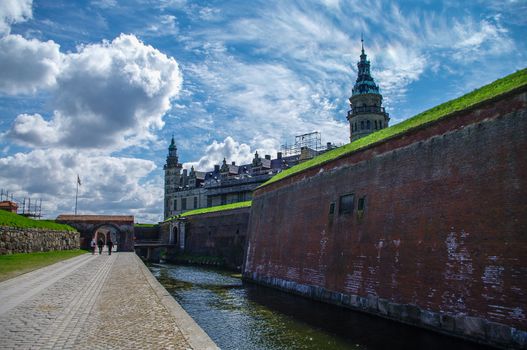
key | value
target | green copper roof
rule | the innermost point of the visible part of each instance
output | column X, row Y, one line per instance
column 365, row 83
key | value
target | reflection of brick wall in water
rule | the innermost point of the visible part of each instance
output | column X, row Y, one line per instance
column 28, row 240
column 441, row 241
column 219, row 234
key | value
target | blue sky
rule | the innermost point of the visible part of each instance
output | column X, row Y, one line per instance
column 98, row 87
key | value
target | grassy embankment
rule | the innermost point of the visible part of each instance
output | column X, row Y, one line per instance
column 144, row 225
column 14, row 220
column 16, row 264
column 212, row 209
column 487, row 92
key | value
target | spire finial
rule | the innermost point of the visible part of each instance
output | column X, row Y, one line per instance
column 362, row 41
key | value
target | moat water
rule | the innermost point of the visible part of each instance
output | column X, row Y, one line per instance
column 243, row 316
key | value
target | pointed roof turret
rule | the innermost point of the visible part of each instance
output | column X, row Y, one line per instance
column 172, row 144
column 365, row 83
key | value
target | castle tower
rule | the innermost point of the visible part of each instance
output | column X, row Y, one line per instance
column 367, row 114
column 172, row 177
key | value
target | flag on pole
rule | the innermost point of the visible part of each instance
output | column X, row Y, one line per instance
column 78, row 180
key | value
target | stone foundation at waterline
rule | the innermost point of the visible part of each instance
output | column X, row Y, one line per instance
column 29, row 240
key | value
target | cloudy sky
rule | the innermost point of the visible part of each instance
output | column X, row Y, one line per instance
column 97, row 88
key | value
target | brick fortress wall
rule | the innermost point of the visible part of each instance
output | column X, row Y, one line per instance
column 441, row 241
column 219, row 234
column 17, row 240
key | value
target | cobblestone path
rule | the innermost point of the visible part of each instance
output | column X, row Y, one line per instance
column 94, row 302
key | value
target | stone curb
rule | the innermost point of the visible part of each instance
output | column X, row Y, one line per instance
column 195, row 336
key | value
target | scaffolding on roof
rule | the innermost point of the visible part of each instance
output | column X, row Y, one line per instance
column 311, row 140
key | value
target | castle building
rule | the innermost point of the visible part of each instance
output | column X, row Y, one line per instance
column 366, row 114
column 229, row 182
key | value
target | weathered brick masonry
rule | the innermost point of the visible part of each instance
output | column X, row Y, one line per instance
column 28, row 240
column 220, row 234
column 442, row 241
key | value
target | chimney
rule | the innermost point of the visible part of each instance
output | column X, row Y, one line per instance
column 268, row 156
column 233, row 163
column 279, row 155
column 217, row 168
column 184, row 172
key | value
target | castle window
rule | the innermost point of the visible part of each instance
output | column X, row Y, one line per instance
column 241, row 196
column 346, row 204
column 183, row 204
column 175, row 204
column 362, row 204
column 195, row 202
column 331, row 208
column 362, row 125
column 380, row 124
column 375, row 125
column 368, row 125
column 209, row 202
column 223, row 199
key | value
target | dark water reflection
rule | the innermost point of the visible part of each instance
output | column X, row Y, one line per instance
column 243, row 316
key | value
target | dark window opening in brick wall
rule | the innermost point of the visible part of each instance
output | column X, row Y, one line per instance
column 209, row 202
column 331, row 208
column 183, row 204
column 346, row 204
column 223, row 199
column 362, row 204
column 175, row 204
column 195, row 202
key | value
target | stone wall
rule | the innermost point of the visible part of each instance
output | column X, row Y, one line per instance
column 440, row 242
column 27, row 240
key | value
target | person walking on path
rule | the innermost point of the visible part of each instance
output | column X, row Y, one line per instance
column 110, row 246
column 100, row 244
column 93, row 244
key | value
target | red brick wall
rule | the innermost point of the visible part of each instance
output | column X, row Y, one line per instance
column 445, row 224
column 219, row 234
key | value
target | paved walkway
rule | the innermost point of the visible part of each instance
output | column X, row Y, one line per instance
column 94, row 302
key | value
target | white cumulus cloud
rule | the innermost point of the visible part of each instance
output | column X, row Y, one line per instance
column 109, row 184
column 229, row 149
column 108, row 95
column 28, row 65
column 14, row 11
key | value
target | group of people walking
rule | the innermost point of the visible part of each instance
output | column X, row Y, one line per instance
column 100, row 244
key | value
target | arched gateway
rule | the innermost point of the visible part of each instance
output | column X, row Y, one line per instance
column 120, row 228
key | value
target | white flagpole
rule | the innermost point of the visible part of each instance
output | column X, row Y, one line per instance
column 77, row 194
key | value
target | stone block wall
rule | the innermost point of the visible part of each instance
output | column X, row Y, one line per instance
column 440, row 241
column 28, row 240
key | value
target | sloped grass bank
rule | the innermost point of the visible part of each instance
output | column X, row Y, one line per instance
column 15, row 220
column 213, row 209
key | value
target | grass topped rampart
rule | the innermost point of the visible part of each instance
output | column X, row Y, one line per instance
column 15, row 220
column 213, row 209
column 145, row 225
column 487, row 92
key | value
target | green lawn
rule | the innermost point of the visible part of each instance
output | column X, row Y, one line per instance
column 14, row 220
column 499, row 87
column 16, row 264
